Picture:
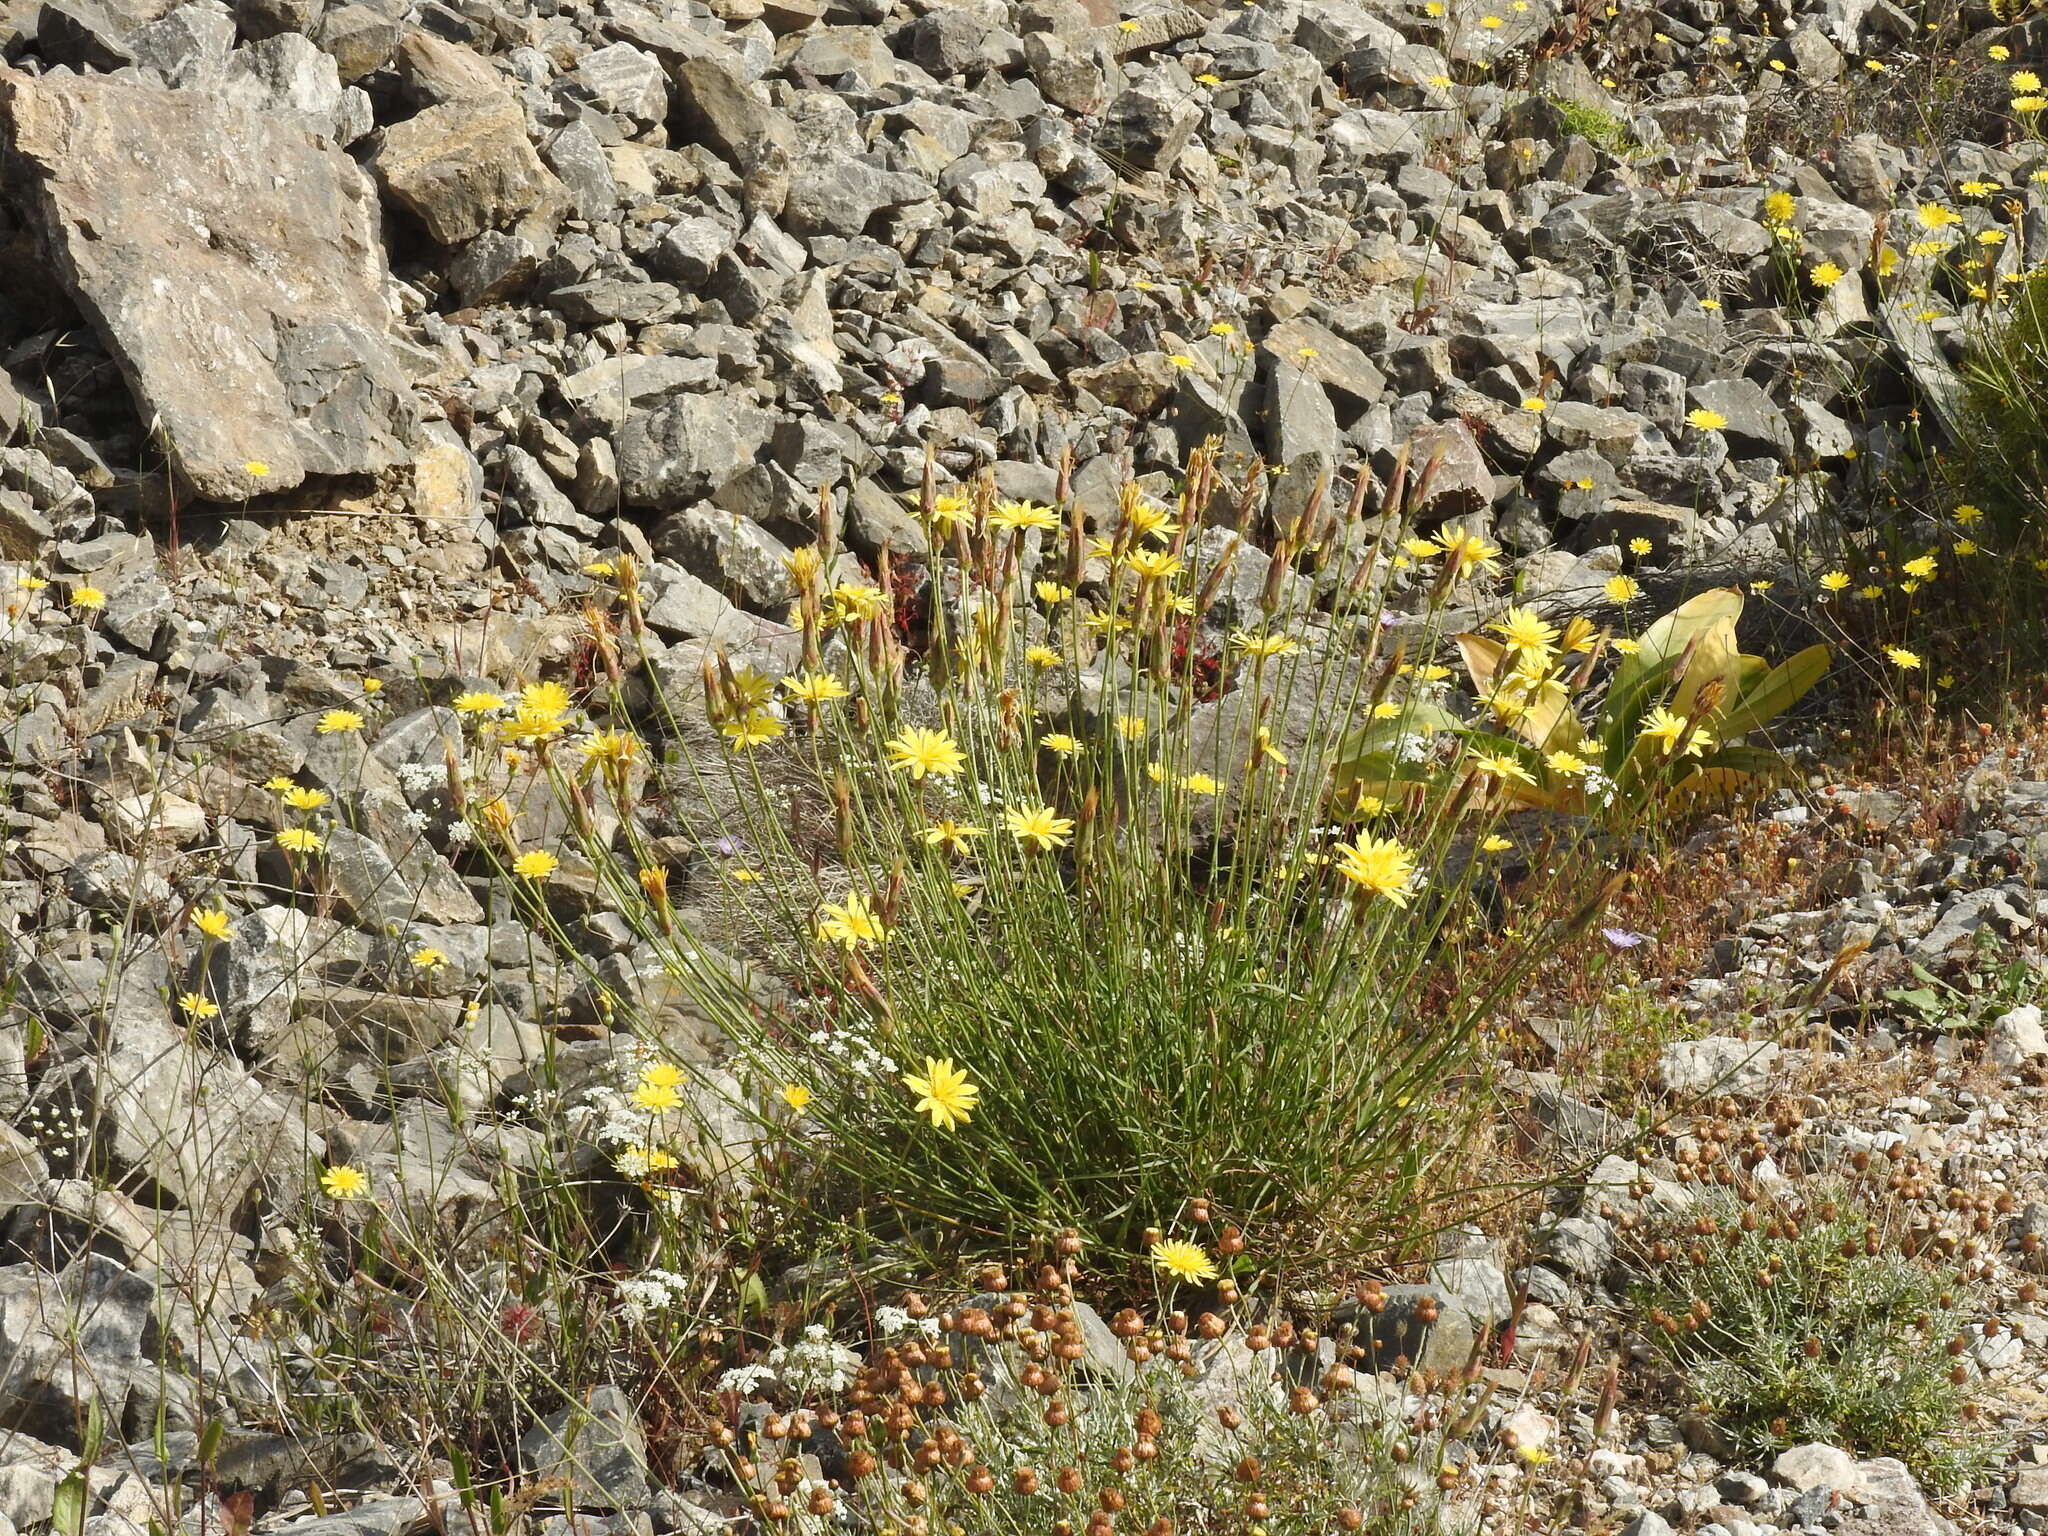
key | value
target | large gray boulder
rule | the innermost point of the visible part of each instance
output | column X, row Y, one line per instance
column 269, row 358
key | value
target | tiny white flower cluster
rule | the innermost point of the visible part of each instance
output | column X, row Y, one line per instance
column 615, row 1121
column 459, row 832
column 745, row 1379
column 654, row 1291
column 418, row 778
column 1413, row 747
column 894, row 1320
column 858, row 1055
column 815, row 1363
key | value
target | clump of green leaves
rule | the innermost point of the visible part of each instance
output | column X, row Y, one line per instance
column 1597, row 126
column 1793, row 1321
column 2005, row 395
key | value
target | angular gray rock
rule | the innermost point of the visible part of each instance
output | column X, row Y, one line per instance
column 269, row 358
column 464, row 167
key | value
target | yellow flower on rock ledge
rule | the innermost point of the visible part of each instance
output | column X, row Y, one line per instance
column 344, row 1181
column 1183, row 1260
column 536, row 865
column 943, row 1092
column 339, row 721
column 198, row 1006
column 213, row 922
column 300, row 840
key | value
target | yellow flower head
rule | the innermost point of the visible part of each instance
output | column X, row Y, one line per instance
column 943, row 1092
column 1903, row 659
column 300, row 840
column 815, row 687
column 1622, row 589
column 344, row 1181
column 1020, row 515
column 88, row 598
column 477, row 702
column 536, row 864
column 1835, row 581
column 796, row 1096
column 953, row 836
column 1183, row 1260
column 1705, row 420
column 920, row 752
column 1042, row 656
column 1246, row 643
column 1523, row 630
column 750, row 731
column 1661, row 725
column 1061, row 743
column 1039, row 829
column 198, row 1005
column 851, row 923
column 213, row 922
column 1379, row 866
column 304, row 799
column 339, row 721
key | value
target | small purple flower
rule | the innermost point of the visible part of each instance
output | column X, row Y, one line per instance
column 730, row 847
column 1623, row 938
column 1388, row 619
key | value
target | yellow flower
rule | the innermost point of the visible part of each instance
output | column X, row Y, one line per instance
column 952, row 835
column 1042, row 656
column 1935, row 216
column 1504, row 768
column 257, row 468
column 1705, row 420
column 213, row 922
column 804, row 565
column 1156, row 564
column 1491, row 23
column 1209, row 80
column 344, row 1181
column 796, row 1096
column 198, row 1006
column 338, row 721
column 600, row 568
column 614, row 747
column 88, row 597
column 2024, row 80
column 1039, row 828
column 1900, row 657
column 1495, row 843
column 1020, row 515
column 1379, row 866
column 1183, row 1260
column 477, row 702
column 851, row 923
column 1052, row 592
column 638, row 1162
column 300, row 840
column 1225, row 328
column 1466, row 552
column 1201, row 784
column 535, row 865
column 1567, row 765
column 373, row 685
column 856, row 600
column 428, row 959
column 1826, row 275
column 943, row 1092
column 1662, row 725
column 663, row 1074
column 1246, row 643
column 1522, row 630
column 1835, row 581
column 1621, row 589
column 1180, row 359
column 750, row 730
column 1967, row 514
column 815, row 687
column 1871, row 591
column 1061, row 743
column 920, row 751
column 1779, row 207
column 1966, row 546
column 656, row 1097
column 1922, row 567
column 1130, row 727
column 304, row 799
column 1535, row 405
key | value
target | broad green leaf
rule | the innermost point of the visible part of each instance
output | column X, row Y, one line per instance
column 1779, row 689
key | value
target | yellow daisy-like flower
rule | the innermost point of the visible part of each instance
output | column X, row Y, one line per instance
column 1661, row 725
column 1622, row 589
column 1835, row 581
column 1779, row 207
column 815, row 687
column 2024, row 80
column 1504, row 768
column 198, row 1006
column 89, row 598
column 1522, row 630
column 1826, row 274
column 920, row 752
column 851, row 923
column 1639, row 546
column 1052, row 591
column 1040, row 829
column 638, row 1162
column 478, row 702
column 304, row 799
column 1201, row 784
column 856, row 600
column 657, row 1097
column 1246, row 643
column 1967, row 514
column 1535, row 405
column 213, row 922
column 1042, row 656
column 300, row 840
column 1466, row 552
column 1020, row 515
column 344, row 1181
column 1921, row 567
column 1935, row 216
column 1705, row 420
column 953, row 836
column 796, row 1096
column 1180, row 360
column 1903, row 659
column 1379, row 866
column 1494, row 843
column 1568, row 765
column 944, row 1093
column 1130, row 727
column 804, row 565
column 1061, row 743
column 663, row 1074
column 537, row 864
column 1623, row 646
column 1184, row 1261
column 750, row 731
column 257, row 468
column 1156, row 564
column 429, row 958
column 338, row 722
